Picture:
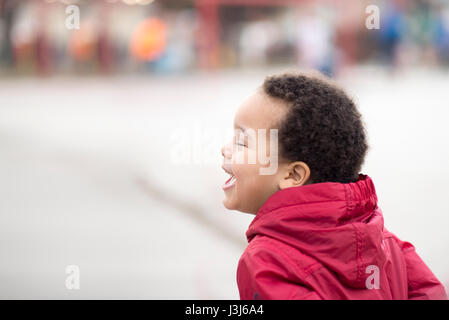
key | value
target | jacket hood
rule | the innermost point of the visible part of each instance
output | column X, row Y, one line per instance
column 338, row 224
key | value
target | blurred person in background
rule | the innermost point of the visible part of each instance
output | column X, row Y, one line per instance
column 441, row 35
column 392, row 32
column 315, row 41
column 8, row 11
column 255, row 39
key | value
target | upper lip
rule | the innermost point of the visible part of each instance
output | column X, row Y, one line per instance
column 227, row 170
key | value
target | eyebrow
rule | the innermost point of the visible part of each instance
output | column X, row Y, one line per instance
column 240, row 127
column 244, row 130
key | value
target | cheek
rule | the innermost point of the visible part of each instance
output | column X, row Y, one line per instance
column 247, row 170
column 245, row 156
column 245, row 164
column 251, row 189
column 249, row 181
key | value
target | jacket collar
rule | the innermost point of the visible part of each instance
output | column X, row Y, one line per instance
column 324, row 204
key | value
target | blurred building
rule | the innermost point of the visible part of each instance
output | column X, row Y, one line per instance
column 140, row 36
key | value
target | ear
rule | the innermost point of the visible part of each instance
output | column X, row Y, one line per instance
column 296, row 174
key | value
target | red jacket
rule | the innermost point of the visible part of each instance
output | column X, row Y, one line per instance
column 328, row 241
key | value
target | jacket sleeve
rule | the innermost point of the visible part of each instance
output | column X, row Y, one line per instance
column 422, row 283
column 265, row 274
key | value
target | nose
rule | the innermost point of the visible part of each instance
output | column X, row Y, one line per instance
column 225, row 152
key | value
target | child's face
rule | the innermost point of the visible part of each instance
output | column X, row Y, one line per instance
column 249, row 189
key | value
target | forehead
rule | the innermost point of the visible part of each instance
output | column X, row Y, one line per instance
column 260, row 111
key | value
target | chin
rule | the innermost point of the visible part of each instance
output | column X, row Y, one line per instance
column 233, row 206
column 249, row 212
column 227, row 205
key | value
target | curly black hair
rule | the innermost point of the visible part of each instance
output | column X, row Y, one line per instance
column 322, row 127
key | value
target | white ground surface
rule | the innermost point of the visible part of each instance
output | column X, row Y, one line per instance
column 90, row 175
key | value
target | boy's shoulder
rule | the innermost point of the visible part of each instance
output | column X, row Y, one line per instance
column 404, row 246
column 273, row 251
column 266, row 251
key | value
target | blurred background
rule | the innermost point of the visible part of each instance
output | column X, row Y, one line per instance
column 110, row 133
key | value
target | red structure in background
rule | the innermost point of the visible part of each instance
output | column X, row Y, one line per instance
column 209, row 27
column 42, row 45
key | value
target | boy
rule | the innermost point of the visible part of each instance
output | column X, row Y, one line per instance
column 318, row 232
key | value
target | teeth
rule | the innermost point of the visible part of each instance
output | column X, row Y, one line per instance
column 231, row 181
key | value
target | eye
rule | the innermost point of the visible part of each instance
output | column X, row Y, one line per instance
column 239, row 141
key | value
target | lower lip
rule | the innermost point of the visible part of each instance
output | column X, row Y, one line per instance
column 228, row 185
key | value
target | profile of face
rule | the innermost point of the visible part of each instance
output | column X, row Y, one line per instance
column 256, row 169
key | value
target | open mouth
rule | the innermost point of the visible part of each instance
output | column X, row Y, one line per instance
column 231, row 181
